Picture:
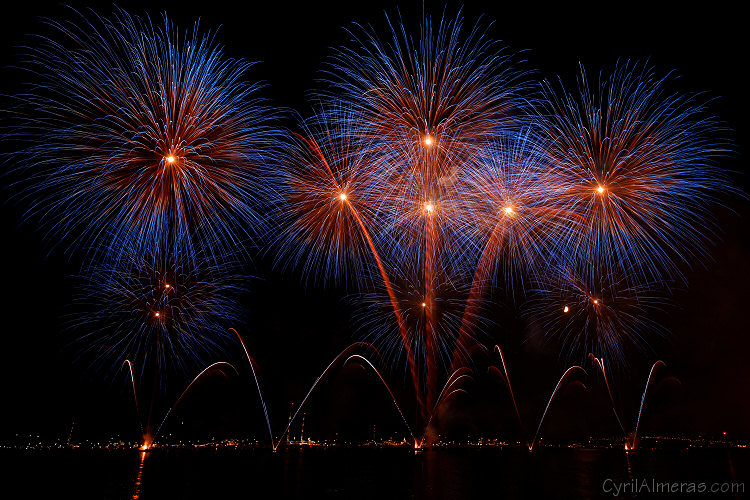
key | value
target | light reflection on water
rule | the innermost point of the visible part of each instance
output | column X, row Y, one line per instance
column 361, row 473
column 358, row 473
column 139, row 477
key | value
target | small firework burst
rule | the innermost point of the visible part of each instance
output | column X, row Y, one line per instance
column 605, row 315
column 163, row 314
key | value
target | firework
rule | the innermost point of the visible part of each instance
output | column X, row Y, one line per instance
column 637, row 162
column 142, row 134
column 424, row 110
column 431, row 314
column 514, row 213
column 166, row 314
column 326, row 198
column 605, row 315
column 513, row 221
column 327, row 224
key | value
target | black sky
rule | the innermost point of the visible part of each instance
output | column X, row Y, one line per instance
column 294, row 332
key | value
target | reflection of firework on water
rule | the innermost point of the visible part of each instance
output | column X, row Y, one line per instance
column 163, row 313
column 142, row 133
column 637, row 162
column 605, row 315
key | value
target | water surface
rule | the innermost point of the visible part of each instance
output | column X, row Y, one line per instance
column 361, row 473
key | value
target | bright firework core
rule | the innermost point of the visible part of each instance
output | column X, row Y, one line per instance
column 428, row 140
column 509, row 210
column 342, row 196
column 600, row 189
column 429, row 206
column 170, row 159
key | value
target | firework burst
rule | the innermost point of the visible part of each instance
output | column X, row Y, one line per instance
column 605, row 315
column 326, row 195
column 637, row 162
column 159, row 313
column 142, row 134
column 513, row 211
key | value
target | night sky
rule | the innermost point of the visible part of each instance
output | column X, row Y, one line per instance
column 294, row 331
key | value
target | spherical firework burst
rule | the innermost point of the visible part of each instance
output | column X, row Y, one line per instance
column 164, row 314
column 143, row 134
column 604, row 314
column 637, row 162
column 326, row 197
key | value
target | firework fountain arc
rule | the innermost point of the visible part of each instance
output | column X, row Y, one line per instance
column 254, row 371
column 458, row 376
column 600, row 364
column 649, row 382
column 564, row 376
column 631, row 441
column 135, row 392
column 343, row 355
column 213, row 366
column 510, row 387
column 387, row 387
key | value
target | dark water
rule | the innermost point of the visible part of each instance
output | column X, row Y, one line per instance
column 363, row 473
